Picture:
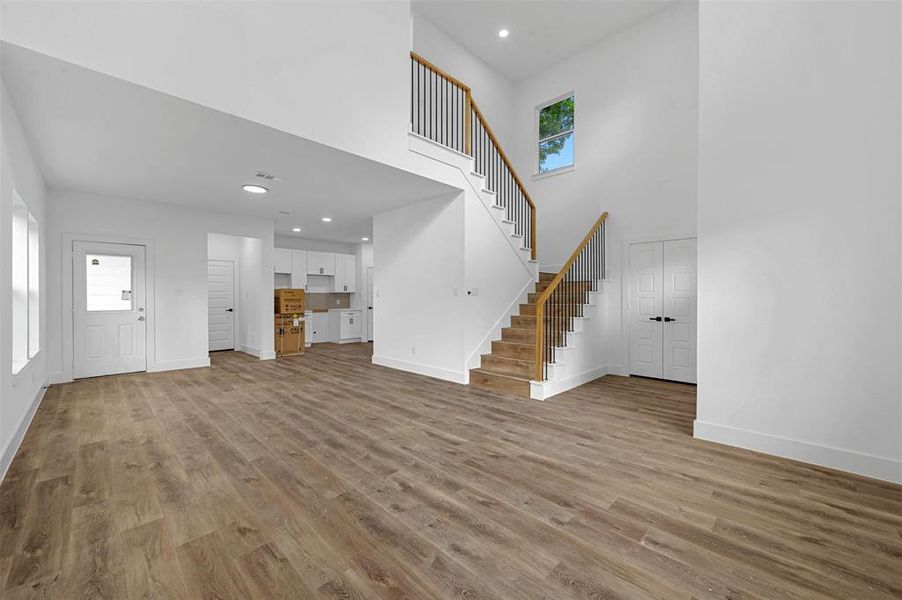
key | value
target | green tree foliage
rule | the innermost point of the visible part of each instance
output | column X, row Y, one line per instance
column 554, row 119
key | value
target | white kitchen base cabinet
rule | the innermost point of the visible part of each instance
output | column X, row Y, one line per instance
column 345, row 325
column 320, row 327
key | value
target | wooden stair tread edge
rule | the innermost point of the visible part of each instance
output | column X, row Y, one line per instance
column 482, row 371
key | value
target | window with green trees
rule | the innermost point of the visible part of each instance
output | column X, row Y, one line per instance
column 556, row 135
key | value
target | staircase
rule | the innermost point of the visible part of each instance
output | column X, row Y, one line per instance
column 512, row 363
column 443, row 112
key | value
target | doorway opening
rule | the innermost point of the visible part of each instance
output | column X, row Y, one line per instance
column 109, row 288
column 663, row 305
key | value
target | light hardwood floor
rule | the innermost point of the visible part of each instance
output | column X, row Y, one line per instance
column 325, row 476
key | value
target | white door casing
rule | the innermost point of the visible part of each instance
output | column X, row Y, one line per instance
column 108, row 306
column 680, row 310
column 221, row 304
column 369, row 304
column 647, row 305
column 663, row 305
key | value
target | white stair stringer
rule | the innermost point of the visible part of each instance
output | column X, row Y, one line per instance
column 584, row 355
column 466, row 164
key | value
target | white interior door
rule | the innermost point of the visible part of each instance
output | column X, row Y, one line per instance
column 369, row 304
column 646, row 314
column 108, row 309
column 221, row 304
column 679, row 310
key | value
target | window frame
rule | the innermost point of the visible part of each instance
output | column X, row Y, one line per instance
column 537, row 172
column 25, row 350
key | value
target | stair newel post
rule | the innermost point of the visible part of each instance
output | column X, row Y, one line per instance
column 532, row 230
column 540, row 340
column 468, row 122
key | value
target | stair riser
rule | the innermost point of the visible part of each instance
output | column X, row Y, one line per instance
column 581, row 297
column 526, row 321
column 518, row 336
column 507, row 367
column 501, row 385
column 530, row 310
column 518, row 351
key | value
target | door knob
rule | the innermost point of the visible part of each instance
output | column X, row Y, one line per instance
column 654, row 319
column 140, row 318
column 230, row 309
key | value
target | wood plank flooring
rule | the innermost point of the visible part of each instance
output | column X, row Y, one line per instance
column 323, row 476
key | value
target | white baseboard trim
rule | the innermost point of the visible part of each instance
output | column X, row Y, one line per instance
column 421, row 369
column 13, row 446
column 878, row 467
column 176, row 365
column 543, row 390
column 267, row 355
column 58, row 378
column 248, row 350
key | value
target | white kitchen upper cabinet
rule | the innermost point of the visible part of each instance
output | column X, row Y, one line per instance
column 345, row 273
column 281, row 260
column 320, row 263
column 299, row 269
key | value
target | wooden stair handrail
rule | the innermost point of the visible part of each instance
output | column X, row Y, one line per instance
column 510, row 167
column 540, row 302
column 468, row 137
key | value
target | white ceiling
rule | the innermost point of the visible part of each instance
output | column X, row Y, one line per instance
column 95, row 133
column 542, row 32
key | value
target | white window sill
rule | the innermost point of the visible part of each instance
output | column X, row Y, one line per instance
column 548, row 174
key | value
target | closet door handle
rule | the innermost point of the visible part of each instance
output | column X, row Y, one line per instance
column 668, row 320
column 654, row 319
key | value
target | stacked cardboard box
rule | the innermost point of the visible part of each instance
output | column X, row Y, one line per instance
column 290, row 336
column 289, row 321
column 290, row 301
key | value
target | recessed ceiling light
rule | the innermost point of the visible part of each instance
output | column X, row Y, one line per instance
column 365, row 239
column 327, row 219
column 296, row 229
column 503, row 33
column 254, row 189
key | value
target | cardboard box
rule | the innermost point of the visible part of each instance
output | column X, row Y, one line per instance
column 290, row 301
column 289, row 336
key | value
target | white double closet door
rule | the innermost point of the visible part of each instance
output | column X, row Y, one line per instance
column 663, row 304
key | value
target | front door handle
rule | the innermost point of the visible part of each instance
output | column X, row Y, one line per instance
column 654, row 319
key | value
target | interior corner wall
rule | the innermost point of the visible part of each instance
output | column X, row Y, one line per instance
column 492, row 91
column 20, row 393
column 636, row 142
column 354, row 95
column 251, row 294
column 179, row 238
column 418, row 260
column 799, row 232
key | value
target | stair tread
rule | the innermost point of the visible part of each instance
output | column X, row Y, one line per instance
column 484, row 371
column 508, row 358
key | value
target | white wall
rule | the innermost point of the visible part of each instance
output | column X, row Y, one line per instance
column 418, row 254
column 179, row 254
column 333, row 72
column 799, row 232
column 635, row 147
column 19, row 394
column 493, row 92
column 246, row 253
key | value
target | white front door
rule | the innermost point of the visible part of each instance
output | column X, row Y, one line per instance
column 679, row 310
column 647, row 303
column 108, row 309
column 221, row 304
column 369, row 304
column 663, row 310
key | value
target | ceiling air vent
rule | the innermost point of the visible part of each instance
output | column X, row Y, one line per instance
column 266, row 176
